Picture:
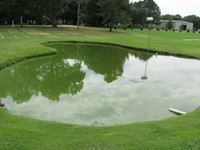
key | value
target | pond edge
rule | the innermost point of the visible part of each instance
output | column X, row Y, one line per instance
column 23, row 58
column 128, row 47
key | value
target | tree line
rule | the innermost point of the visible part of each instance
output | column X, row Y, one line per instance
column 111, row 13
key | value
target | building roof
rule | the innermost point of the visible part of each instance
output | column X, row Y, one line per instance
column 175, row 21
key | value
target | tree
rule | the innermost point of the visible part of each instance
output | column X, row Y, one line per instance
column 92, row 16
column 55, row 8
column 13, row 10
column 152, row 9
column 172, row 17
column 38, row 11
column 169, row 24
column 194, row 19
column 113, row 11
column 20, row 9
column 71, row 13
column 138, row 15
column 177, row 17
column 4, row 13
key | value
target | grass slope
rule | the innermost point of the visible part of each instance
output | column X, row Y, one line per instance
column 25, row 133
column 174, row 133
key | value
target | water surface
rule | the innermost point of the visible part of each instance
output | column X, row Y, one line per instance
column 100, row 85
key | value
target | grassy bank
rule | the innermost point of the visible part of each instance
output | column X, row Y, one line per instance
column 18, row 43
column 174, row 133
column 24, row 133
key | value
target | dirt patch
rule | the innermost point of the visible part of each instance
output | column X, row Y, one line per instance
column 64, row 32
column 141, row 35
column 36, row 32
column 191, row 39
column 52, row 36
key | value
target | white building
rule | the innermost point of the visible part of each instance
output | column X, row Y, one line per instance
column 177, row 25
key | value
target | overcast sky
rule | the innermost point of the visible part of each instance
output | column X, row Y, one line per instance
column 182, row 7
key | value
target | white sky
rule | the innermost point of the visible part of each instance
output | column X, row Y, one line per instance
column 182, row 7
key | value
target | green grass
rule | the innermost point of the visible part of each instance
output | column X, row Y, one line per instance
column 24, row 133
column 175, row 133
column 18, row 43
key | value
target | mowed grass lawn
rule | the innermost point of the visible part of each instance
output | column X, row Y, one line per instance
column 18, row 43
column 23, row 133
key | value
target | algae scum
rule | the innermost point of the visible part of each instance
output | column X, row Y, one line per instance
column 90, row 84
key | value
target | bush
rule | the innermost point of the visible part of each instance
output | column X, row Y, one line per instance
column 188, row 31
column 166, row 30
column 173, row 30
column 180, row 30
column 141, row 28
column 194, row 31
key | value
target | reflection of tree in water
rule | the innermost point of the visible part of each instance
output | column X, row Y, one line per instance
column 56, row 75
column 51, row 77
column 110, row 64
column 61, row 78
column 105, row 60
column 144, row 56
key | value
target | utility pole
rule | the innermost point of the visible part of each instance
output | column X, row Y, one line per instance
column 149, row 19
column 21, row 21
column 78, row 12
column 144, row 77
column 13, row 23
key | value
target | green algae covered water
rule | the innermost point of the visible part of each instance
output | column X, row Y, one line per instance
column 101, row 85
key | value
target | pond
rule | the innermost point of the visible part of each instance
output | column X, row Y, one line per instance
column 89, row 84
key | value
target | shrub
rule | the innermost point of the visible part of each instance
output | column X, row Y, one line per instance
column 141, row 28
column 188, row 31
